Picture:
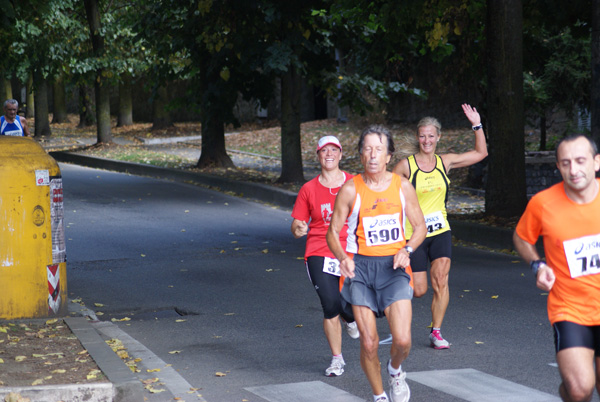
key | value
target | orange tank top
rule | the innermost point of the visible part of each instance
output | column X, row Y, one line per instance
column 376, row 223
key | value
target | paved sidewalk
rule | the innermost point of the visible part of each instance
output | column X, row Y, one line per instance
column 124, row 385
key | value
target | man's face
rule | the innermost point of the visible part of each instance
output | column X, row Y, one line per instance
column 577, row 164
column 374, row 155
column 10, row 111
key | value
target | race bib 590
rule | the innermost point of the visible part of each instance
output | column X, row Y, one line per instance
column 382, row 229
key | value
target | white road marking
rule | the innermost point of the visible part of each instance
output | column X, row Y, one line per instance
column 303, row 392
column 473, row 385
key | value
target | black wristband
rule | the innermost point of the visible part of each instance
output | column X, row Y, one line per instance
column 535, row 265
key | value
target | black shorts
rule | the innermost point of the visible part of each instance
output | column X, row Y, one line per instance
column 569, row 335
column 328, row 290
column 432, row 248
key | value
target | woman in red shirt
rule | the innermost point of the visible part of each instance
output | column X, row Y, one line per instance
column 312, row 215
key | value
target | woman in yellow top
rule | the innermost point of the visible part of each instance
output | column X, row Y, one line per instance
column 428, row 171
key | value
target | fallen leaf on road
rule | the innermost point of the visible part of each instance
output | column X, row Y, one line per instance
column 154, row 390
column 20, row 358
column 180, row 320
column 52, row 321
column 59, row 371
column 495, row 297
column 98, row 304
column 150, row 381
column 229, row 313
column 478, row 343
column 174, row 352
column 122, row 319
column 156, row 370
column 38, row 381
column 219, row 374
column 299, row 326
column 143, row 255
column 265, row 251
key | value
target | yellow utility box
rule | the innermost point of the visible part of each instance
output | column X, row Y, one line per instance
column 33, row 267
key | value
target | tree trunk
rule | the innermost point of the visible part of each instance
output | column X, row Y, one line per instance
column 595, row 98
column 100, row 82
column 87, row 116
column 42, row 124
column 543, row 131
column 213, row 153
column 5, row 89
column 161, row 118
column 505, row 194
column 60, row 104
column 291, row 149
column 125, row 116
column 30, row 98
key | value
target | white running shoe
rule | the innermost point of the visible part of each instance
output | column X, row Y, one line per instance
column 382, row 399
column 336, row 368
column 352, row 329
column 437, row 341
column 399, row 391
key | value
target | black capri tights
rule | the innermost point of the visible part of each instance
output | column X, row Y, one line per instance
column 328, row 289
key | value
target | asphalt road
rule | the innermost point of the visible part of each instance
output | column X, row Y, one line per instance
column 215, row 287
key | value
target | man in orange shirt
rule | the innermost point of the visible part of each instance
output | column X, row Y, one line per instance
column 378, row 276
column 567, row 215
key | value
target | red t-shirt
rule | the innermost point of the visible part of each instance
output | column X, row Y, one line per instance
column 315, row 203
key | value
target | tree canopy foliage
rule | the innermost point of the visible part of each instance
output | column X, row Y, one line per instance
column 367, row 55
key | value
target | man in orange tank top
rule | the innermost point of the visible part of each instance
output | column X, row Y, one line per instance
column 376, row 261
column 567, row 216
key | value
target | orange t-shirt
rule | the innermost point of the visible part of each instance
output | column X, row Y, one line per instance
column 571, row 235
column 376, row 222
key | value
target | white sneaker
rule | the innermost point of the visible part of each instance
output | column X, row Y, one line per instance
column 437, row 341
column 352, row 329
column 399, row 391
column 336, row 368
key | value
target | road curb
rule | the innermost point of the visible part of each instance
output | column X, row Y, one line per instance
column 126, row 386
column 254, row 191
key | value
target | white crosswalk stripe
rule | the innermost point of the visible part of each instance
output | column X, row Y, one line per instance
column 474, row 385
column 303, row 392
column 468, row 384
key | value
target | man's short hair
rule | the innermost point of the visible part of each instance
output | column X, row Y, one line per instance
column 573, row 137
column 381, row 131
column 11, row 102
column 429, row 121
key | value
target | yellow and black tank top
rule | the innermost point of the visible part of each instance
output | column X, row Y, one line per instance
column 432, row 193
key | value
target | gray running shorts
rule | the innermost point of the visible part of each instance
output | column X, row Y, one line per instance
column 376, row 284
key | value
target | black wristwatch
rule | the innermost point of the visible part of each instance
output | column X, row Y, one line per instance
column 409, row 250
column 535, row 265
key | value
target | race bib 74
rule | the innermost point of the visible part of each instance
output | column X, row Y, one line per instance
column 583, row 255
